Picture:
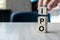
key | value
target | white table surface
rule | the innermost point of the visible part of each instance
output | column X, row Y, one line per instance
column 27, row 31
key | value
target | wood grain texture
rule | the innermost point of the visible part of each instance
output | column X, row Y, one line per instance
column 28, row 31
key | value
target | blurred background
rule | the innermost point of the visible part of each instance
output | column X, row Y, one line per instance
column 19, row 11
column 8, row 7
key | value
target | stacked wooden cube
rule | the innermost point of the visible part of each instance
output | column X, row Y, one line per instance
column 42, row 19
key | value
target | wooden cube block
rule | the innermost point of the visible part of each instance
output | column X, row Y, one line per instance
column 42, row 23
column 42, row 20
column 42, row 28
column 42, row 11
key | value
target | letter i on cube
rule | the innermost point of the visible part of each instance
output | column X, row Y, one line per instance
column 42, row 19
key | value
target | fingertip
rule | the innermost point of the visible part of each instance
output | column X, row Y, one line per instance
column 49, row 8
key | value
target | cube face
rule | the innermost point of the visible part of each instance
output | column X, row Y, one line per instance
column 42, row 11
column 42, row 28
column 42, row 23
column 42, row 20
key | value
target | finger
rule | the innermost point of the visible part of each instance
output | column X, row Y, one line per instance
column 55, row 4
column 40, row 3
column 46, row 2
column 51, row 4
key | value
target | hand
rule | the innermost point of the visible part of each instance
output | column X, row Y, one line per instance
column 50, row 3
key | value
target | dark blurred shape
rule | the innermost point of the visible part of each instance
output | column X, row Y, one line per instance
column 34, row 6
column 24, row 17
column 5, row 15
